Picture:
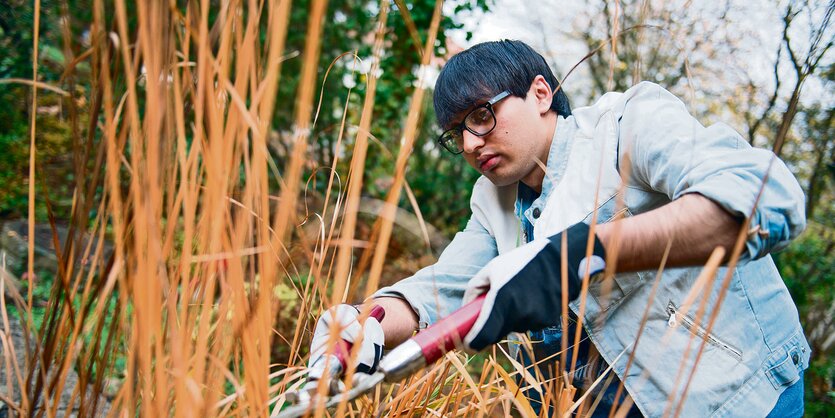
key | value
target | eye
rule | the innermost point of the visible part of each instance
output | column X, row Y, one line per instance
column 479, row 117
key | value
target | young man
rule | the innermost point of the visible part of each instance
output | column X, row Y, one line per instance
column 647, row 175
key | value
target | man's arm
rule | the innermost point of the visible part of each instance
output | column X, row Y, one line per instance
column 694, row 223
column 434, row 291
column 671, row 153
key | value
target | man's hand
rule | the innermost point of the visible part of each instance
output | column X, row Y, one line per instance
column 524, row 286
column 370, row 336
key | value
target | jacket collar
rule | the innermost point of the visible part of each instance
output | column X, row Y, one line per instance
column 557, row 158
column 554, row 170
column 558, row 155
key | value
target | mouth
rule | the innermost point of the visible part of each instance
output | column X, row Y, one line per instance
column 488, row 162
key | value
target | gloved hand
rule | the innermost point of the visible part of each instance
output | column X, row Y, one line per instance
column 347, row 318
column 524, row 286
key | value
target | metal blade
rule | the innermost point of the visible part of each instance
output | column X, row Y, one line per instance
column 363, row 385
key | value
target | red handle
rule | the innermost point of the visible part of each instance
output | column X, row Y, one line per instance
column 449, row 332
column 342, row 351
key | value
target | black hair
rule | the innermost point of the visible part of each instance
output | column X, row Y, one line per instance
column 487, row 69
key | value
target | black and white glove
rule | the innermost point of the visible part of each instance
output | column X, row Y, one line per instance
column 347, row 317
column 524, row 289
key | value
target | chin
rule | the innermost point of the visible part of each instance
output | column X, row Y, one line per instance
column 500, row 181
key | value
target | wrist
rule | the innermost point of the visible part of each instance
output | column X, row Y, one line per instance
column 603, row 233
column 400, row 321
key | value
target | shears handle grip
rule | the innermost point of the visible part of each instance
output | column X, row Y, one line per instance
column 448, row 333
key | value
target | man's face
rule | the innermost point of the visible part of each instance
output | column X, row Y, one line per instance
column 522, row 136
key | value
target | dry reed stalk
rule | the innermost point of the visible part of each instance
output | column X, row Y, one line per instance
column 387, row 214
column 30, row 360
column 409, row 136
column 355, row 180
column 32, row 151
column 13, row 369
column 644, row 319
column 613, row 52
column 410, row 25
column 374, row 254
column 736, row 253
column 320, row 249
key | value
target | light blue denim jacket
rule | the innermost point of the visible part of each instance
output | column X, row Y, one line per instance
column 627, row 154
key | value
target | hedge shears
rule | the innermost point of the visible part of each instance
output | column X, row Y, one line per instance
column 423, row 349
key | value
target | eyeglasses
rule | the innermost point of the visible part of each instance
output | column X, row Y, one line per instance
column 479, row 121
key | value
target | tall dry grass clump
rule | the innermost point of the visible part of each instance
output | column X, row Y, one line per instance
column 186, row 251
column 183, row 256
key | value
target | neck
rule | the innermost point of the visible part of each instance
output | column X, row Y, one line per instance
column 537, row 175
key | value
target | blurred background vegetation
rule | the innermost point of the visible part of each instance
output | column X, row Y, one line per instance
column 773, row 80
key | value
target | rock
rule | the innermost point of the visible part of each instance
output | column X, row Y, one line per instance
column 14, row 243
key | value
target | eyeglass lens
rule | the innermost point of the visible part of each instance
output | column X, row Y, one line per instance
column 480, row 121
column 453, row 141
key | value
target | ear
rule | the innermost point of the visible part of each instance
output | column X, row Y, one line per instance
column 542, row 94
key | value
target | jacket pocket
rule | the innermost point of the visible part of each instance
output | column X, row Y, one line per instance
column 788, row 362
column 610, row 210
column 677, row 318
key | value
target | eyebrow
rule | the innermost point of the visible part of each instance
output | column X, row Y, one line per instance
column 491, row 101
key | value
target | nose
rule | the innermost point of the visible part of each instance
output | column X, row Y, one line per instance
column 472, row 142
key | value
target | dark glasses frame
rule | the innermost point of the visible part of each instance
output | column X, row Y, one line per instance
column 453, row 139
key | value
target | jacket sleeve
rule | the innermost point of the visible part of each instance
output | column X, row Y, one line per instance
column 437, row 290
column 673, row 154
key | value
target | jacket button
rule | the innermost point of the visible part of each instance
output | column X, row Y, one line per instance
column 536, row 213
column 795, row 358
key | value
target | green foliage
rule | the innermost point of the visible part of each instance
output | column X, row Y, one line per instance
column 808, row 268
column 12, row 193
column 350, row 26
column 54, row 140
column 437, row 176
column 808, row 265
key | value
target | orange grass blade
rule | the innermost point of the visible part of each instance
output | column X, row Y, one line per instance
column 355, row 180
column 410, row 132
